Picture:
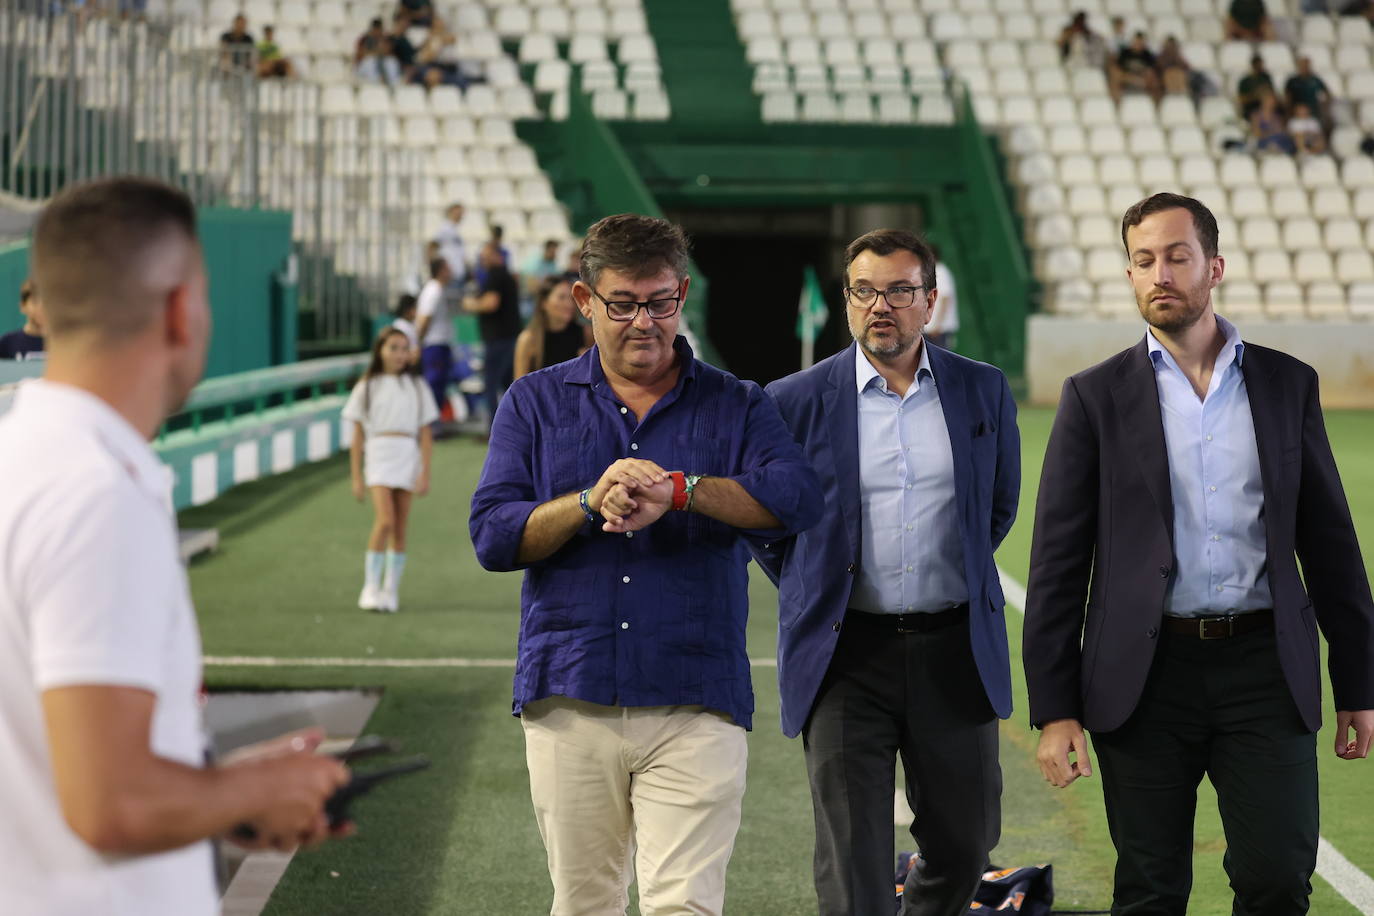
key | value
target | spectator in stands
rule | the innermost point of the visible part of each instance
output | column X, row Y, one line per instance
column 26, row 342
column 436, row 62
column 451, row 248
column 572, row 270
column 1135, row 70
column 1306, row 88
column 1175, row 74
column 944, row 319
column 1252, row 86
column 497, row 306
column 1120, row 40
column 419, row 12
column 1306, row 131
column 1268, row 133
column 236, row 46
column 372, row 57
column 403, row 320
column 401, row 48
column 554, row 334
column 541, row 266
column 1080, row 46
column 435, row 330
column 1248, row 20
column 271, row 63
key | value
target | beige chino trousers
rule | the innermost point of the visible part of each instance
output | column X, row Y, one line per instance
column 657, row 785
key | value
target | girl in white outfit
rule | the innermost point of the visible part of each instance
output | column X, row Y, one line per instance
column 391, row 409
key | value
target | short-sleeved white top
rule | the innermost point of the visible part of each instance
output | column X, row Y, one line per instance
column 432, row 304
column 946, row 317
column 396, row 404
column 91, row 593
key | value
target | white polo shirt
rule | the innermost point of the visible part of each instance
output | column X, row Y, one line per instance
column 91, row 592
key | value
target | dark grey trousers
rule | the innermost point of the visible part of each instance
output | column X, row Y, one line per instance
column 917, row 696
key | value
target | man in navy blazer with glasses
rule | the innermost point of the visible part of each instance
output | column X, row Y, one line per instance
column 891, row 638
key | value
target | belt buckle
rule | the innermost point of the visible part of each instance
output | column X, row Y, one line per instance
column 1229, row 620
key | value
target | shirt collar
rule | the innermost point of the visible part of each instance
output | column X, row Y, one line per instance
column 1232, row 350
column 865, row 372
column 78, row 409
column 587, row 368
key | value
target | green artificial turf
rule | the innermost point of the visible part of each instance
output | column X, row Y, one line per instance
column 461, row 838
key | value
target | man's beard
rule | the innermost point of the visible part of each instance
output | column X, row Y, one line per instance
column 1181, row 314
column 898, row 345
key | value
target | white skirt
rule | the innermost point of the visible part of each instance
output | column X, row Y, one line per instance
column 391, row 461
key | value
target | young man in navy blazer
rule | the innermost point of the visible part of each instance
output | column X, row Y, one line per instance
column 891, row 639
column 1165, row 613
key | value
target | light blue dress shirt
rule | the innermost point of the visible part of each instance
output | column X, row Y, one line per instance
column 1214, row 475
column 911, row 559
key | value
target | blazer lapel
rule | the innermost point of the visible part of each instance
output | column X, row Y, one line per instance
column 1137, row 406
column 1265, row 402
column 840, row 404
column 950, row 384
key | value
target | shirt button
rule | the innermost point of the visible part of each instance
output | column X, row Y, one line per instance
column 910, row 607
column 624, row 625
column 908, row 527
column 1216, row 537
column 1213, row 489
column 1218, row 588
column 629, row 534
column 1209, row 438
column 908, row 486
column 634, row 447
column 908, row 569
column 624, row 410
column 626, row 580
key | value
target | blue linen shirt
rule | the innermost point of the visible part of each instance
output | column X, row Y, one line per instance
column 1220, row 553
column 912, row 560
column 654, row 617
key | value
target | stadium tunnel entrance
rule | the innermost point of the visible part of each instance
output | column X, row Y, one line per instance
column 755, row 260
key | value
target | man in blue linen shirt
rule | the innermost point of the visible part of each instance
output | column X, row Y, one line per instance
column 632, row 682
column 1182, row 478
column 891, row 637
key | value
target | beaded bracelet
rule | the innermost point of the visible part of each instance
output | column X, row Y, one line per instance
column 586, row 507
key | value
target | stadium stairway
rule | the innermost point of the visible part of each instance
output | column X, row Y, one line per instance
column 704, row 70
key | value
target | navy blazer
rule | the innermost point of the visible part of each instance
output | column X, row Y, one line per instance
column 1103, row 553
column 815, row 570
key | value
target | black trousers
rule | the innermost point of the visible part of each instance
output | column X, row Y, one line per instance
column 1220, row 708
column 917, row 696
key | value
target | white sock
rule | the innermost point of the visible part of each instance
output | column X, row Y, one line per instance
column 372, row 568
column 395, row 565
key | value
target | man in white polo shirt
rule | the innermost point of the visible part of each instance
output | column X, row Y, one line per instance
column 107, row 807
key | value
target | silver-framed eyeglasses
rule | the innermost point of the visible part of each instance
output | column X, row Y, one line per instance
column 897, row 297
column 628, row 309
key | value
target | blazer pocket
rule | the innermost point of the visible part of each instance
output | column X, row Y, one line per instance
column 983, row 428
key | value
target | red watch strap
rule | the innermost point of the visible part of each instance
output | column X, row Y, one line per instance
column 679, row 490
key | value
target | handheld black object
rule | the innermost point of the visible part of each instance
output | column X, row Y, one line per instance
column 336, row 809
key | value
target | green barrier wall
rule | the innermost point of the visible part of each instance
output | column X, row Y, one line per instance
column 254, row 313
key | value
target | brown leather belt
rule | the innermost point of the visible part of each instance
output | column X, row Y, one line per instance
column 908, row 623
column 1220, row 627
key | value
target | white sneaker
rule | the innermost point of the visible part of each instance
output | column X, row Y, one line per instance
column 370, row 599
column 387, row 601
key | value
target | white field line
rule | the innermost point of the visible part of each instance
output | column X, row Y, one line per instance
column 272, row 661
column 1338, row 871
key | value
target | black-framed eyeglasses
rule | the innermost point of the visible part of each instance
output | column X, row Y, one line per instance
column 628, row 310
column 898, row 297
